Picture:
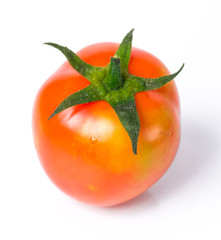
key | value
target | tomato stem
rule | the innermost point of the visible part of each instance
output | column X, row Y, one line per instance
column 113, row 84
column 113, row 80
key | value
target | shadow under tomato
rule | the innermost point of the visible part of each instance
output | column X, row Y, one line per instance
column 137, row 206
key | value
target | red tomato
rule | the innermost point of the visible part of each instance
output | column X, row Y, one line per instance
column 86, row 151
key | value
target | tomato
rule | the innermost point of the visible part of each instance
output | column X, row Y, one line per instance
column 86, row 151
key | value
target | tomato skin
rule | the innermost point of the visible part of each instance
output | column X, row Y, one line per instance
column 86, row 151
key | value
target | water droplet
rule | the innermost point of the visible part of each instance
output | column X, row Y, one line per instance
column 93, row 139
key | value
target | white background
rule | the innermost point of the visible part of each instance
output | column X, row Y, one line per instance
column 185, row 203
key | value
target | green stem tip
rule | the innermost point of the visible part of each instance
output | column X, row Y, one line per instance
column 113, row 84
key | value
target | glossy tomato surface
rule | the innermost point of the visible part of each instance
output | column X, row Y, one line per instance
column 86, row 151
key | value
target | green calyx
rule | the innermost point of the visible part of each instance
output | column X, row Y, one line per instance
column 113, row 84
